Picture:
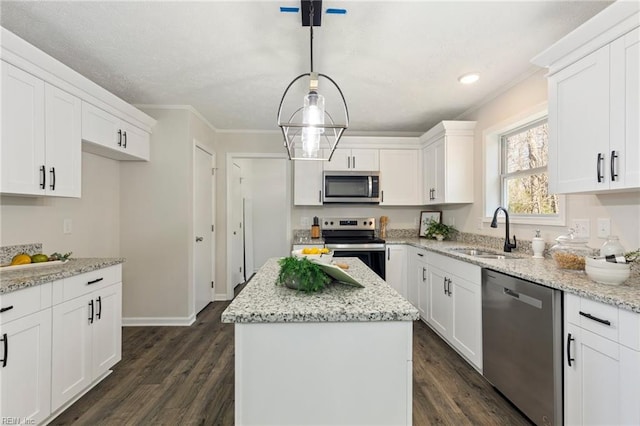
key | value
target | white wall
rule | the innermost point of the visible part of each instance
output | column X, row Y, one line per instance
column 157, row 220
column 622, row 208
column 95, row 217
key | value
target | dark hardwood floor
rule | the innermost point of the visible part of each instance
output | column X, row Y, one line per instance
column 185, row 376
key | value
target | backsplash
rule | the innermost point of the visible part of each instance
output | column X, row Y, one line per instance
column 7, row 252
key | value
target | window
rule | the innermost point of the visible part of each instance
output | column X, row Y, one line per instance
column 515, row 170
column 523, row 171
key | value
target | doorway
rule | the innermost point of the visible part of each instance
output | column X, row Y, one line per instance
column 263, row 204
column 203, row 226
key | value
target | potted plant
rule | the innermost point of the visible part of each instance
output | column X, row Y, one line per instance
column 301, row 274
column 439, row 231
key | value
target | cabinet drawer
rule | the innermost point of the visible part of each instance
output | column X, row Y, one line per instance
column 85, row 283
column 596, row 317
column 464, row 270
column 24, row 302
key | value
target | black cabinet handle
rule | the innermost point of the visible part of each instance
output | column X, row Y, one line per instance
column 99, row 300
column 614, row 175
column 119, row 137
column 569, row 340
column 424, row 271
column 97, row 280
column 43, row 175
column 91, row 311
column 8, row 308
column 320, row 196
column 53, row 179
column 420, row 254
column 5, row 339
column 348, row 162
column 599, row 167
column 444, row 285
column 124, row 137
column 388, row 253
column 354, row 162
column 382, row 196
column 591, row 317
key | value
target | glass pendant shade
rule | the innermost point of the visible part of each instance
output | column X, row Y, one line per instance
column 312, row 114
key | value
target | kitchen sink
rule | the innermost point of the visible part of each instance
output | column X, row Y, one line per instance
column 484, row 253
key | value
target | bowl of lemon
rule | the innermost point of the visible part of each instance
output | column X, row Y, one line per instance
column 323, row 255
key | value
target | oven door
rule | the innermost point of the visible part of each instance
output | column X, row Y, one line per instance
column 373, row 258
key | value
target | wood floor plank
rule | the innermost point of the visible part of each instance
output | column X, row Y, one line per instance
column 185, row 376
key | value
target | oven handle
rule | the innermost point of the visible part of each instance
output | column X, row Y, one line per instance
column 338, row 250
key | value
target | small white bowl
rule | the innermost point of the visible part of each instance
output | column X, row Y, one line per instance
column 324, row 257
column 608, row 276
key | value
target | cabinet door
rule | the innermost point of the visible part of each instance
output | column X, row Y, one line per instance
column 400, row 177
column 434, row 159
column 439, row 302
column 135, row 142
column 341, row 160
column 413, row 289
column 625, row 111
column 107, row 329
column 365, row 159
column 422, row 275
column 466, row 315
column 395, row 268
column 22, row 149
column 71, row 350
column 579, row 125
column 100, row 127
column 25, row 380
column 63, row 153
column 307, row 183
column 601, row 385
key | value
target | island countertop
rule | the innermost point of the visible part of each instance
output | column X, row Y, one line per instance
column 12, row 280
column 262, row 301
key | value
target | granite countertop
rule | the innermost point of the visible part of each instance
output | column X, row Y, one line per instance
column 262, row 301
column 27, row 277
column 541, row 271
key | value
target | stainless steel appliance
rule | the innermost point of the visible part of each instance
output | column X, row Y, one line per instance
column 351, row 187
column 355, row 237
column 522, row 344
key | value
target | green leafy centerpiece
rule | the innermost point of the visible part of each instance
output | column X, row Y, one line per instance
column 439, row 231
column 301, row 274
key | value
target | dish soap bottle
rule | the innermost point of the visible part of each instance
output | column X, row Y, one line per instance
column 537, row 245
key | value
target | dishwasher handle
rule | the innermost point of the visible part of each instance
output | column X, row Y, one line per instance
column 511, row 293
column 531, row 301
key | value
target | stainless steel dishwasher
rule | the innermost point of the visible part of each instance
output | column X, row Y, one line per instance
column 522, row 344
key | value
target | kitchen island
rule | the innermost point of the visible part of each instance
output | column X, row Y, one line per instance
column 340, row 356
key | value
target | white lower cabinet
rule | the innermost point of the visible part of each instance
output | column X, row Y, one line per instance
column 454, row 304
column 396, row 268
column 602, row 363
column 87, row 335
column 25, row 368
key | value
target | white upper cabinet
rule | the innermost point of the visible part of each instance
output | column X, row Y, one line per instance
column 353, row 160
column 448, row 163
column 400, row 177
column 41, row 147
column 111, row 137
column 594, row 113
column 307, row 182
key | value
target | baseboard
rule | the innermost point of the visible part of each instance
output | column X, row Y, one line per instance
column 159, row 321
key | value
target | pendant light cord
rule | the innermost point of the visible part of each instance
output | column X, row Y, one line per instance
column 311, row 12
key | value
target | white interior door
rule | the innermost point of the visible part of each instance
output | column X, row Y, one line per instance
column 235, row 226
column 203, row 238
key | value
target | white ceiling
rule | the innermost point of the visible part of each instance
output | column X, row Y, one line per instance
column 397, row 62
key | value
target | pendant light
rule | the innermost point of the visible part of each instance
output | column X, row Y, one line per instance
column 310, row 128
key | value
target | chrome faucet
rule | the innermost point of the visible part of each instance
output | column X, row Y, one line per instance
column 494, row 224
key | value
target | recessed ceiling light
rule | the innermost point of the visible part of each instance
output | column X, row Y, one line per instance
column 469, row 78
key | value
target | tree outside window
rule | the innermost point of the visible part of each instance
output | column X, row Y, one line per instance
column 524, row 177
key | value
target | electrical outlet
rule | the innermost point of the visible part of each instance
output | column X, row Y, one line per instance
column 305, row 221
column 480, row 224
column 452, row 221
column 582, row 227
column 66, row 226
column 604, row 227
column 416, row 221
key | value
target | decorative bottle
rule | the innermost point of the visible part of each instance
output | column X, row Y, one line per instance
column 537, row 245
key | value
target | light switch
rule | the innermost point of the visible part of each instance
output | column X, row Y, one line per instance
column 66, row 226
column 604, row 227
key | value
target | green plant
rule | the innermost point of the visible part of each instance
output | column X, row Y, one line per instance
column 437, row 228
column 308, row 276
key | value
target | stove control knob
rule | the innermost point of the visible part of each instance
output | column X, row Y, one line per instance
column 326, row 223
column 332, row 222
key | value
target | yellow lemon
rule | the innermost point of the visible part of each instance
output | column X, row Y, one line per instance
column 21, row 259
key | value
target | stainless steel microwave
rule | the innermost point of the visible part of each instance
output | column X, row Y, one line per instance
column 351, row 187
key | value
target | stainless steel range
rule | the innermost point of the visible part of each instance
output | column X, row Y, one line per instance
column 355, row 237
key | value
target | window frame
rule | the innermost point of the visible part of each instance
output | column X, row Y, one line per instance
column 493, row 160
